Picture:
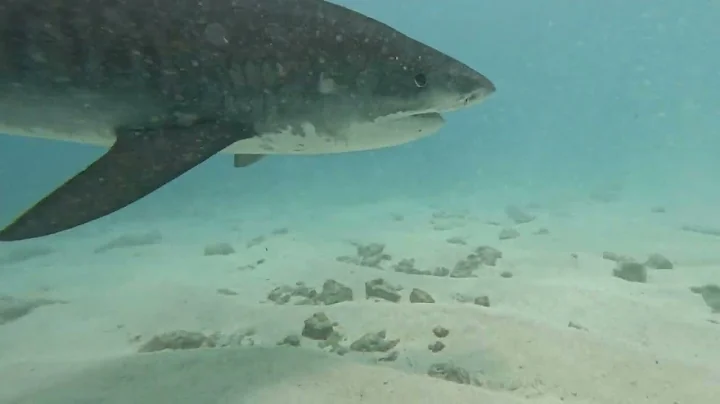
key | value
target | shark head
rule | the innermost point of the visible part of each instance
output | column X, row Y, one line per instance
column 367, row 86
column 409, row 78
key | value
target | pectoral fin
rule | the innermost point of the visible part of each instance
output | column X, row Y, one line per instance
column 139, row 162
column 244, row 160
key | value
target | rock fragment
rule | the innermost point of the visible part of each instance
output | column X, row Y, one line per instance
column 334, row 292
column 420, row 296
column 449, row 372
column 440, row 332
column 631, row 271
column 518, row 215
column 176, row 340
column 658, row 261
column 436, row 346
column 710, row 294
column 318, row 327
column 381, row 289
column 508, row 234
column 374, row 342
column 218, row 249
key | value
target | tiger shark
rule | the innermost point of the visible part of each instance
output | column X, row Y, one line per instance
column 167, row 84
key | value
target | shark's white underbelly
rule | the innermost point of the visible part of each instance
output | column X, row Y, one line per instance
column 354, row 137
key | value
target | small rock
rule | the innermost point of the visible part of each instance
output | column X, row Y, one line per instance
column 631, row 271
column 420, row 296
column 250, row 267
column 317, row 327
column 341, row 350
column 576, row 326
column 541, row 231
column 449, row 372
column 292, row 340
column 408, row 266
column 658, row 209
column 302, row 290
column 508, row 234
column 381, row 289
column 479, row 300
column 391, row 357
column 374, row 342
column 256, row 241
column 441, row 332
column 175, row 340
column 283, row 294
column 465, row 268
column 615, row 257
column 334, row 292
column 218, row 249
column 506, row 274
column 436, row 346
column 441, row 271
column 306, row 302
column 482, row 301
column 372, row 255
column 443, row 221
column 457, row 240
column 333, row 341
column 658, row 261
column 234, row 339
column 710, row 294
column 227, row 292
column 488, row 255
column 517, row 215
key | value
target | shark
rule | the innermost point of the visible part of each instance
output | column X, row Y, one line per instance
column 165, row 85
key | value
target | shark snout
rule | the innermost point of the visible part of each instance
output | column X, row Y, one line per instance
column 482, row 88
column 470, row 85
column 485, row 83
column 474, row 84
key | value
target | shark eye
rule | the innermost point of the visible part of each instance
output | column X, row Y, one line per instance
column 420, row 80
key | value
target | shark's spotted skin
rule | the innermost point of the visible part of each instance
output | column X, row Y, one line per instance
column 166, row 84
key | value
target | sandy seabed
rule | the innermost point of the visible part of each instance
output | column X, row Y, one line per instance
column 547, row 323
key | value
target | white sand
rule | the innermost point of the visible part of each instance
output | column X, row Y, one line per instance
column 644, row 343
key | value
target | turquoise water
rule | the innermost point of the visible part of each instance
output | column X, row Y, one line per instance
column 609, row 107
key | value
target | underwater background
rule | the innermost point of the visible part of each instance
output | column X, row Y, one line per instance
column 605, row 129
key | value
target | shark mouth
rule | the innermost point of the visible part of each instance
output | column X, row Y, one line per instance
column 460, row 103
column 425, row 115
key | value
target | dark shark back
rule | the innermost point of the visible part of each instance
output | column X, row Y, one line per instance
column 164, row 45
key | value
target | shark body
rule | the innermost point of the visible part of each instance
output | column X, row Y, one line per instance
column 167, row 84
